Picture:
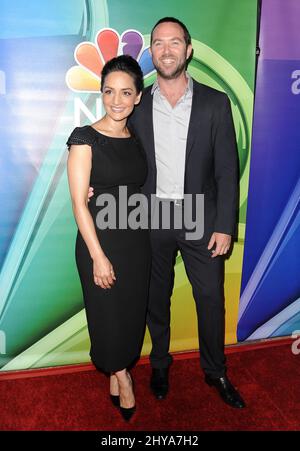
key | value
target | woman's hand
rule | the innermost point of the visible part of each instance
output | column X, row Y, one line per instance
column 104, row 275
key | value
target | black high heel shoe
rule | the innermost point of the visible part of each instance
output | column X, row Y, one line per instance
column 115, row 399
column 127, row 412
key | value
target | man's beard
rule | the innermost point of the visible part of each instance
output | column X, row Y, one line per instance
column 170, row 76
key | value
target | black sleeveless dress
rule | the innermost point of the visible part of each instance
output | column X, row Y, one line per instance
column 115, row 317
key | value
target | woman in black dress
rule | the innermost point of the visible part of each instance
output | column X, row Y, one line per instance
column 114, row 262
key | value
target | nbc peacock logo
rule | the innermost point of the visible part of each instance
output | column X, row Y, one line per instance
column 91, row 57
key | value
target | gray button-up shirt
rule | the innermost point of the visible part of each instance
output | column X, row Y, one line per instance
column 170, row 136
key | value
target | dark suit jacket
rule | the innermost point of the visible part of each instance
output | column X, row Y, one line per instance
column 211, row 166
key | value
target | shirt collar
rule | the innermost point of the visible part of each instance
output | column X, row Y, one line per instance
column 189, row 87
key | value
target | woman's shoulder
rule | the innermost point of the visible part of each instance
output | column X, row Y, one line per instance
column 82, row 135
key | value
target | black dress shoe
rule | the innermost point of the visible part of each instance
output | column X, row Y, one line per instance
column 227, row 391
column 159, row 383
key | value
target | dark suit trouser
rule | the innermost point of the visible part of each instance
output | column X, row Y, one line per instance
column 206, row 275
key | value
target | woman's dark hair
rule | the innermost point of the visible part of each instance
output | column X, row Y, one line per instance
column 124, row 63
column 187, row 36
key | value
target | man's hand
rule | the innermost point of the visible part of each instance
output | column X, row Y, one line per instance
column 90, row 193
column 222, row 242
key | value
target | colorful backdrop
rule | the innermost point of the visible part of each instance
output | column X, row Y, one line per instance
column 270, row 295
column 51, row 53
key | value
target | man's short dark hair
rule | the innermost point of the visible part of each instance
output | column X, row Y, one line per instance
column 187, row 36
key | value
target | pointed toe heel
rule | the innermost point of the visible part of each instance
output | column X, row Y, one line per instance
column 127, row 412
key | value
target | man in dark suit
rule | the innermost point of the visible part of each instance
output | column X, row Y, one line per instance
column 187, row 132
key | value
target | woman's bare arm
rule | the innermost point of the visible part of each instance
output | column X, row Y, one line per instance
column 79, row 168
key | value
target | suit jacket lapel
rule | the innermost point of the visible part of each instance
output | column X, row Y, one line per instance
column 148, row 118
column 193, row 129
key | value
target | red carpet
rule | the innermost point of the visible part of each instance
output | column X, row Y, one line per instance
column 268, row 379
